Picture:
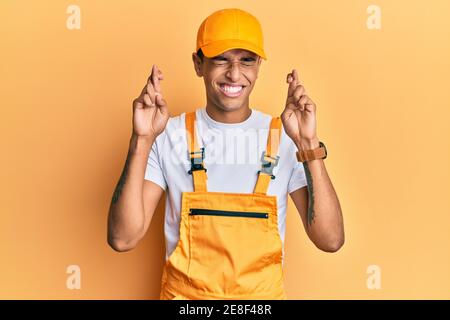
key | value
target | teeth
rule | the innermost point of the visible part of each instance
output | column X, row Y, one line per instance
column 231, row 89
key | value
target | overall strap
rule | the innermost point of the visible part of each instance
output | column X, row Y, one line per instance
column 269, row 158
column 196, row 155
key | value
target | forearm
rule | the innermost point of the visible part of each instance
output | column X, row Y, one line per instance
column 324, row 216
column 126, row 218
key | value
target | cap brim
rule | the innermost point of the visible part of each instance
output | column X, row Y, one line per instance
column 218, row 47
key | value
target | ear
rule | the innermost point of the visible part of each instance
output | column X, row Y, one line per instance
column 259, row 60
column 198, row 64
column 258, row 65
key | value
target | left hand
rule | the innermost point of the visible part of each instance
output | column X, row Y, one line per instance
column 299, row 115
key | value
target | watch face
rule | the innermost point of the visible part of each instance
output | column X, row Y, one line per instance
column 321, row 144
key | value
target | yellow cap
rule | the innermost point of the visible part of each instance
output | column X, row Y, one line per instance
column 228, row 29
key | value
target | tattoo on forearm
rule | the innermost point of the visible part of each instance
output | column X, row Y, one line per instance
column 310, row 193
column 121, row 182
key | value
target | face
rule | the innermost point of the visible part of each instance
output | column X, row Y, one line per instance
column 229, row 77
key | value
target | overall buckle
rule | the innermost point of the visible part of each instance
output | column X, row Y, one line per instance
column 197, row 162
column 268, row 163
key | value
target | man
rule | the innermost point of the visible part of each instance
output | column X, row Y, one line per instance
column 225, row 211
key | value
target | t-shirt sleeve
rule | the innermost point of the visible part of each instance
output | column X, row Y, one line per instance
column 154, row 170
column 298, row 178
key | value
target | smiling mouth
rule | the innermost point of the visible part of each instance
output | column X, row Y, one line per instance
column 231, row 91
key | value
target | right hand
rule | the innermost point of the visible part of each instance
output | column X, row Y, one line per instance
column 150, row 112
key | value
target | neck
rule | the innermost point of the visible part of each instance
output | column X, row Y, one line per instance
column 233, row 116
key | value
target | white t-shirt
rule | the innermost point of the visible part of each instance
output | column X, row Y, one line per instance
column 232, row 159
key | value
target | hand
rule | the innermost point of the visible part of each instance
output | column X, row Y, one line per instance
column 299, row 115
column 150, row 112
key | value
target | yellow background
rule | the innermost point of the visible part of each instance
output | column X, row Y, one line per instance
column 383, row 111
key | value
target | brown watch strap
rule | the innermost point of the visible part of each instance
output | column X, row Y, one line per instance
column 308, row 155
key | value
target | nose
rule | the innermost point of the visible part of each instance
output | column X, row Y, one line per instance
column 233, row 72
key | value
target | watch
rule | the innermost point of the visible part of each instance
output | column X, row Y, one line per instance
column 313, row 154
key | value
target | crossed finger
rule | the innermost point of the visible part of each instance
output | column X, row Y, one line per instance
column 153, row 87
column 293, row 80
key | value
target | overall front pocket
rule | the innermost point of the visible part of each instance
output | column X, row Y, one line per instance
column 229, row 249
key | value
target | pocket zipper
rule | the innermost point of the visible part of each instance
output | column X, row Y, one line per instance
column 211, row 212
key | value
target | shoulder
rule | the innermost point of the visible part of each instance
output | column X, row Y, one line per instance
column 265, row 119
column 176, row 121
column 262, row 117
column 174, row 127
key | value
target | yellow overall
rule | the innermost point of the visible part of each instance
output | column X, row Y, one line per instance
column 229, row 245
